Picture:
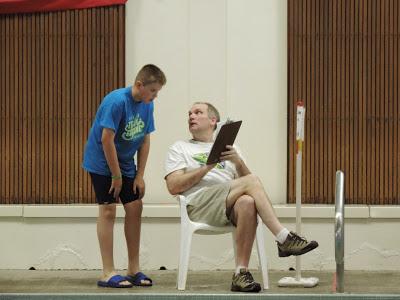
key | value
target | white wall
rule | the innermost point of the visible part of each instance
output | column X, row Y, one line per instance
column 64, row 237
column 231, row 53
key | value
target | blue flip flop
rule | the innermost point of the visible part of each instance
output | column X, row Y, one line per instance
column 137, row 279
column 114, row 282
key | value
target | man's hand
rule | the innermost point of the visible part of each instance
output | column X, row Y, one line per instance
column 116, row 186
column 139, row 186
column 232, row 155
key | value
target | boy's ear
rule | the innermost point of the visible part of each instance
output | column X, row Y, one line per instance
column 138, row 83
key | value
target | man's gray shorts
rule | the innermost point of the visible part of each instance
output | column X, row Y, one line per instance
column 209, row 205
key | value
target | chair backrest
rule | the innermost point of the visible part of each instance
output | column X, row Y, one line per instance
column 199, row 228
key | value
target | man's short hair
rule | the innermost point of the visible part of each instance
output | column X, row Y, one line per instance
column 149, row 74
column 212, row 111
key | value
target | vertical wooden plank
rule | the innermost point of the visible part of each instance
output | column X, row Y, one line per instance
column 324, row 95
column 101, row 53
column 357, row 114
column 388, row 105
column 330, row 86
column 320, row 102
column 305, row 86
column 303, row 89
column 314, row 92
column 396, row 97
column 48, row 112
column 341, row 79
column 2, row 110
column 334, row 80
column 343, row 96
column 32, row 97
column 121, row 46
column 3, row 115
column 27, row 136
column 15, row 104
column 381, row 98
column 359, row 150
column 116, row 14
column 83, row 130
column 290, row 38
column 372, row 100
column 364, row 82
column 74, row 164
column 350, row 97
column 88, row 106
column 69, row 72
column 59, row 128
column 16, row 96
column 10, row 99
column 292, row 77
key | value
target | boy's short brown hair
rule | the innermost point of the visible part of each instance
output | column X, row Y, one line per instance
column 149, row 74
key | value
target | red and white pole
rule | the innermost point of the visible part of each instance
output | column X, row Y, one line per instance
column 301, row 111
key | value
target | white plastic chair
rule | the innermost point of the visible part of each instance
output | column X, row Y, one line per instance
column 188, row 227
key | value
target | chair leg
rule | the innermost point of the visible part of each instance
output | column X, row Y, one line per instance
column 262, row 258
column 184, row 254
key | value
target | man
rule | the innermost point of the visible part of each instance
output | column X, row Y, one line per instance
column 226, row 192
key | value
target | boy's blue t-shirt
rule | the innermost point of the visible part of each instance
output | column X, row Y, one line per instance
column 130, row 120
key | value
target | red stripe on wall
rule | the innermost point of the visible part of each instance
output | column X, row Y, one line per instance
column 29, row 6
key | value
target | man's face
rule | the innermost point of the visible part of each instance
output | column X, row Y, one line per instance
column 148, row 92
column 199, row 119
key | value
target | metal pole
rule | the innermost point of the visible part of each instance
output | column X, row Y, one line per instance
column 300, row 138
column 339, row 231
column 298, row 280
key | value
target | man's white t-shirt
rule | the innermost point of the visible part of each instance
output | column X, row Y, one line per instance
column 191, row 155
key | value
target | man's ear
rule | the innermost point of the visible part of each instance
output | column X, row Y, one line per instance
column 214, row 121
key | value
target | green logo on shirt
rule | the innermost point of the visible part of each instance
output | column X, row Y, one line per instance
column 133, row 129
column 202, row 159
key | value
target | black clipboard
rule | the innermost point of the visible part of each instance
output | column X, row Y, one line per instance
column 226, row 136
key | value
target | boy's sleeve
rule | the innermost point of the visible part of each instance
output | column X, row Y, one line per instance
column 175, row 160
column 150, row 126
column 111, row 116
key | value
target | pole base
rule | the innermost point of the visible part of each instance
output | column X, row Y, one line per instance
column 303, row 282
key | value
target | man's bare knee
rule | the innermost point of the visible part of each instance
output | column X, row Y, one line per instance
column 246, row 204
column 251, row 181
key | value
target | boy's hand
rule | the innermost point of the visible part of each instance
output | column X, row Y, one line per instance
column 116, row 186
column 230, row 154
column 139, row 186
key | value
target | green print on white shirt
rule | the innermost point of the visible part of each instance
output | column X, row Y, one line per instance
column 134, row 129
column 202, row 159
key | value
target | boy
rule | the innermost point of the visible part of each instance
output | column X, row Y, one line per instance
column 122, row 127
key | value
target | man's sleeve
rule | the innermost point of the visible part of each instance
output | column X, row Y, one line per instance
column 175, row 160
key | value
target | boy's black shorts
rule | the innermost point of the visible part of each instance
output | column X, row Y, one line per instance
column 102, row 184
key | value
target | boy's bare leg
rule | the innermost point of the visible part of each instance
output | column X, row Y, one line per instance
column 251, row 185
column 105, row 235
column 133, row 215
column 245, row 217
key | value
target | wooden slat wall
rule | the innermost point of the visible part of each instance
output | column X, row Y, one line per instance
column 55, row 68
column 343, row 61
